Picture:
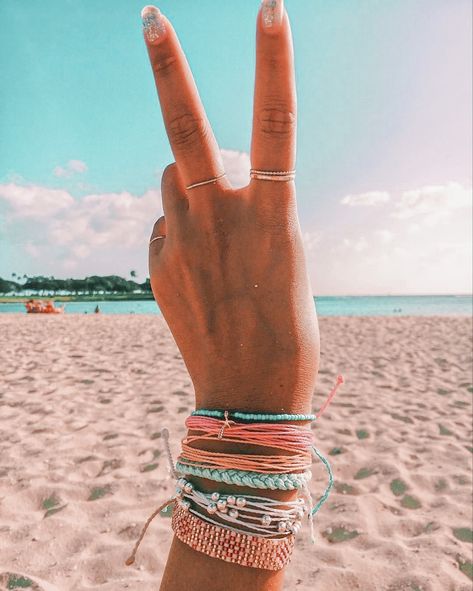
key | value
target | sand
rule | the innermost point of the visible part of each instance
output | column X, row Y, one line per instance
column 82, row 402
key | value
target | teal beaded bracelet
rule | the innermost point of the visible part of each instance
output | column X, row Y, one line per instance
column 250, row 417
column 246, row 478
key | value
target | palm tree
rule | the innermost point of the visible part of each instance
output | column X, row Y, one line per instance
column 133, row 273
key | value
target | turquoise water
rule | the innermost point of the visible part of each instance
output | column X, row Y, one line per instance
column 326, row 306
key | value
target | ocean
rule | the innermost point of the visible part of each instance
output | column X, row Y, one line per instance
column 461, row 305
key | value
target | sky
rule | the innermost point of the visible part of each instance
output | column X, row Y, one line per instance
column 384, row 157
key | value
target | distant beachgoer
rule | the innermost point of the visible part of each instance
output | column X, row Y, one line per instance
column 97, row 309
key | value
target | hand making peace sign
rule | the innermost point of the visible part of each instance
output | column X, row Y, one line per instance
column 227, row 266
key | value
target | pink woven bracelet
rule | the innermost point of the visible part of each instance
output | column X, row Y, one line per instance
column 291, row 439
column 224, row 544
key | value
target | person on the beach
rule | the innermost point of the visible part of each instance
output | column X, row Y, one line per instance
column 228, row 269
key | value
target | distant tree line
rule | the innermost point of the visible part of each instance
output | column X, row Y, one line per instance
column 109, row 284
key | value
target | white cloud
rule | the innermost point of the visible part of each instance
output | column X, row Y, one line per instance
column 366, row 199
column 103, row 233
column 419, row 242
column 97, row 233
column 72, row 167
column 310, row 240
column 357, row 245
column 33, row 201
column 433, row 203
column 237, row 166
column 385, row 236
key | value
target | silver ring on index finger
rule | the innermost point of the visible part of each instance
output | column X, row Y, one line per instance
column 156, row 238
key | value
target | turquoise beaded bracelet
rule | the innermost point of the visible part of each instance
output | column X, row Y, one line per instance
column 246, row 478
column 249, row 416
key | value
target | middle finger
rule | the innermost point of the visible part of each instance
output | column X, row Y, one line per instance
column 273, row 143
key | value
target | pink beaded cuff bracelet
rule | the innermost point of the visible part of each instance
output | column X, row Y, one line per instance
column 224, row 544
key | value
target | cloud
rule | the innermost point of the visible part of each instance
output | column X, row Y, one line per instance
column 418, row 242
column 311, row 240
column 433, row 202
column 356, row 245
column 385, row 236
column 98, row 233
column 33, row 201
column 72, row 167
column 366, row 199
column 237, row 166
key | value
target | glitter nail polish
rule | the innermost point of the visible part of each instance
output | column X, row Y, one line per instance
column 153, row 24
column 272, row 13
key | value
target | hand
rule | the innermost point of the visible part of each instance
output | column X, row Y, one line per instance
column 230, row 275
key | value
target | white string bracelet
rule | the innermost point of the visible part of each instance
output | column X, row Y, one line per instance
column 265, row 517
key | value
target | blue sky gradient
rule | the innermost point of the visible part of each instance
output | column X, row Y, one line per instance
column 384, row 99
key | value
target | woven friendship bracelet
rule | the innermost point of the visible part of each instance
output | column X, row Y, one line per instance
column 251, row 417
column 261, row 464
column 272, row 435
column 245, row 478
column 224, row 544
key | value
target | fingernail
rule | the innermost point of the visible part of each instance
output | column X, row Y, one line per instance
column 273, row 11
column 153, row 24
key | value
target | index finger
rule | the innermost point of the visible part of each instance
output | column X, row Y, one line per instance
column 192, row 141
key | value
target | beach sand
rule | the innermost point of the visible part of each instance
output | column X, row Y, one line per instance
column 82, row 465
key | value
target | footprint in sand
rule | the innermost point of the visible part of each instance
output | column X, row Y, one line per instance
column 464, row 534
column 364, row 473
column 335, row 451
column 398, row 487
column 443, row 392
column 409, row 502
column 335, row 535
column 440, row 485
column 109, row 436
column 444, row 431
column 12, row 581
column 156, row 409
column 99, row 492
column 466, row 566
column 362, row 434
column 180, row 393
column 149, row 467
column 402, row 418
column 52, row 505
column 409, row 585
column 109, row 465
column 345, row 489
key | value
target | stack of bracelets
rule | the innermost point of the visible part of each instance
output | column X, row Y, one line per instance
column 250, row 530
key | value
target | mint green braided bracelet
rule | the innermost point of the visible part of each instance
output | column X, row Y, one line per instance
column 249, row 416
column 246, row 478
